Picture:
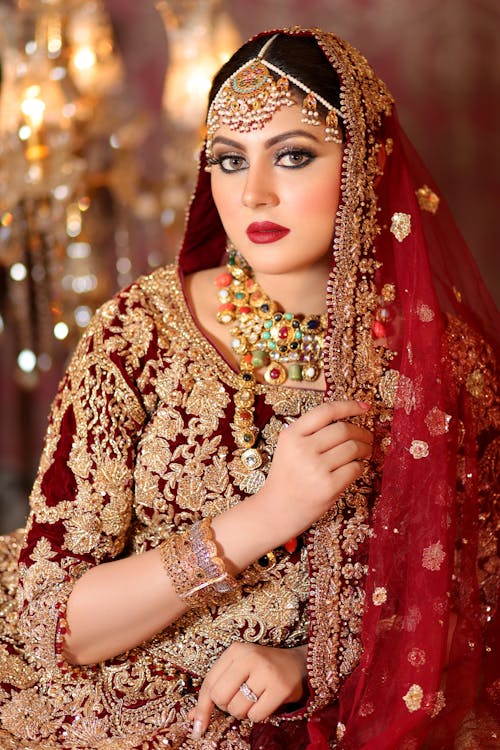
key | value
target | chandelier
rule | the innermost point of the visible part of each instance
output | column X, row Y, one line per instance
column 61, row 81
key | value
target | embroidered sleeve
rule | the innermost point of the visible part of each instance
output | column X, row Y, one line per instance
column 82, row 498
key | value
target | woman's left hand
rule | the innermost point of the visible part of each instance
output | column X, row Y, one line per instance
column 269, row 676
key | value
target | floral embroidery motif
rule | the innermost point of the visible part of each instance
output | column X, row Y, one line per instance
column 433, row 556
column 379, row 596
column 437, row 421
column 413, row 698
column 400, row 226
column 427, row 199
column 425, row 313
column 417, row 657
column 419, row 449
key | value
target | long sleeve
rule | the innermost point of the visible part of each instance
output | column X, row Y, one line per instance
column 81, row 502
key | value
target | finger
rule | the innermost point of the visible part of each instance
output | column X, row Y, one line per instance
column 268, row 703
column 346, row 453
column 241, row 703
column 346, row 475
column 201, row 714
column 327, row 413
column 338, row 433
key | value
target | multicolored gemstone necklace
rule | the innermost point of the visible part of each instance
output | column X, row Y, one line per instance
column 289, row 346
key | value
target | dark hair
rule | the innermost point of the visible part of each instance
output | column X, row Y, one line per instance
column 299, row 56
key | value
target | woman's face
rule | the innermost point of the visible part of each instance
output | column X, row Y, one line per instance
column 277, row 191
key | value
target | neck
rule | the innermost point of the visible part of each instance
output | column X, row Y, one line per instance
column 300, row 292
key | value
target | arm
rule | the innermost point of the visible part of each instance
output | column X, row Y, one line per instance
column 116, row 606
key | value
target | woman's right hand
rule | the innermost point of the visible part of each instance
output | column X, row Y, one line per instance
column 316, row 458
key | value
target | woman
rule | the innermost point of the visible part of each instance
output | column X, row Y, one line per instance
column 343, row 593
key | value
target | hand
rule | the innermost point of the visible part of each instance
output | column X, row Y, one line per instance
column 274, row 676
column 316, row 458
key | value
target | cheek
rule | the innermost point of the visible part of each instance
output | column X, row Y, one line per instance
column 318, row 203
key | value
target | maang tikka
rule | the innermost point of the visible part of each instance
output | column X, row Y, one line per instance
column 250, row 97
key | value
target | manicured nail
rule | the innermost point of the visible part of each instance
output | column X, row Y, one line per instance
column 196, row 733
column 364, row 405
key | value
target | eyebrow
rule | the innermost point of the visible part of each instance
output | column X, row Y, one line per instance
column 270, row 141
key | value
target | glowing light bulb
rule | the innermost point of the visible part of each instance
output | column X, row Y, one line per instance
column 61, row 331
column 26, row 360
column 84, row 58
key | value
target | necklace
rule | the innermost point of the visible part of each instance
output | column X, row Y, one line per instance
column 289, row 346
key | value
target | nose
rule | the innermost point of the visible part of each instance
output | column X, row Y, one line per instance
column 259, row 189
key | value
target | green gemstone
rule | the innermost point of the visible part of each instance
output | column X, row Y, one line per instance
column 295, row 372
column 298, row 334
column 239, row 295
column 268, row 324
column 259, row 358
column 272, row 345
column 266, row 335
column 289, row 316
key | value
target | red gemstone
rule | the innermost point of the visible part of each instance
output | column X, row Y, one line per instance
column 245, row 415
column 244, row 310
column 378, row 330
column 275, row 373
column 247, row 358
column 283, row 333
column 226, row 306
column 223, row 279
column 291, row 545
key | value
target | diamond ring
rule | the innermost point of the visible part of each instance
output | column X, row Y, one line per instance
column 248, row 693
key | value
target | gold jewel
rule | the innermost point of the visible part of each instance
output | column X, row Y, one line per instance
column 191, row 562
column 251, row 95
column 264, row 336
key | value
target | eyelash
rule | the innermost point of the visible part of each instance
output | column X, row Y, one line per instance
column 289, row 151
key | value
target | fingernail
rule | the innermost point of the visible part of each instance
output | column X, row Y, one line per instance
column 196, row 733
column 364, row 405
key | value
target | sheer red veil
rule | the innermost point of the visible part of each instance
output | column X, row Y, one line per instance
column 411, row 329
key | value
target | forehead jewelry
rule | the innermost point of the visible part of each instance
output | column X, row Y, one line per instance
column 250, row 97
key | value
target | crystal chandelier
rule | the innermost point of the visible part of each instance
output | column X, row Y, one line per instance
column 60, row 71
column 201, row 36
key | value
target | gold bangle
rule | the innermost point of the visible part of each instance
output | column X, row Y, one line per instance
column 191, row 562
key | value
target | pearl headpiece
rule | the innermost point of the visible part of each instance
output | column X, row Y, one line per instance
column 251, row 95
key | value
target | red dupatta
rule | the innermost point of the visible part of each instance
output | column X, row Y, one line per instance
column 413, row 330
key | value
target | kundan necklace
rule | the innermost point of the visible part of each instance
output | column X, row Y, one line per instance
column 289, row 346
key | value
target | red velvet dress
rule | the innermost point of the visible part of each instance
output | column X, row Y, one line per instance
column 395, row 590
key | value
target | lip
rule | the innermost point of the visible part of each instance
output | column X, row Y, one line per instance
column 262, row 232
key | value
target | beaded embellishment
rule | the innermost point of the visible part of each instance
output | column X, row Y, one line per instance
column 288, row 346
column 250, row 97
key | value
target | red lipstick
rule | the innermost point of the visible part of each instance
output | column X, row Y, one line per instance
column 262, row 232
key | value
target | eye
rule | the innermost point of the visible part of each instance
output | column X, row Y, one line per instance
column 230, row 162
column 294, row 158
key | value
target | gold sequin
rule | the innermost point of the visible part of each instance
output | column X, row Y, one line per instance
column 437, row 421
column 425, row 313
column 427, row 199
column 419, row 449
column 433, row 556
column 401, row 226
column 379, row 596
column 475, row 383
column 413, row 698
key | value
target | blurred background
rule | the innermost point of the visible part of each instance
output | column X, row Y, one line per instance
column 101, row 108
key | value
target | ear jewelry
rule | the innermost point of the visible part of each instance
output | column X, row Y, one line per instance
column 250, row 97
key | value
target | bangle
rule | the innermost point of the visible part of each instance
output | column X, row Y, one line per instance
column 191, row 562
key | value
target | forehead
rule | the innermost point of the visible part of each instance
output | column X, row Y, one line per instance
column 284, row 121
